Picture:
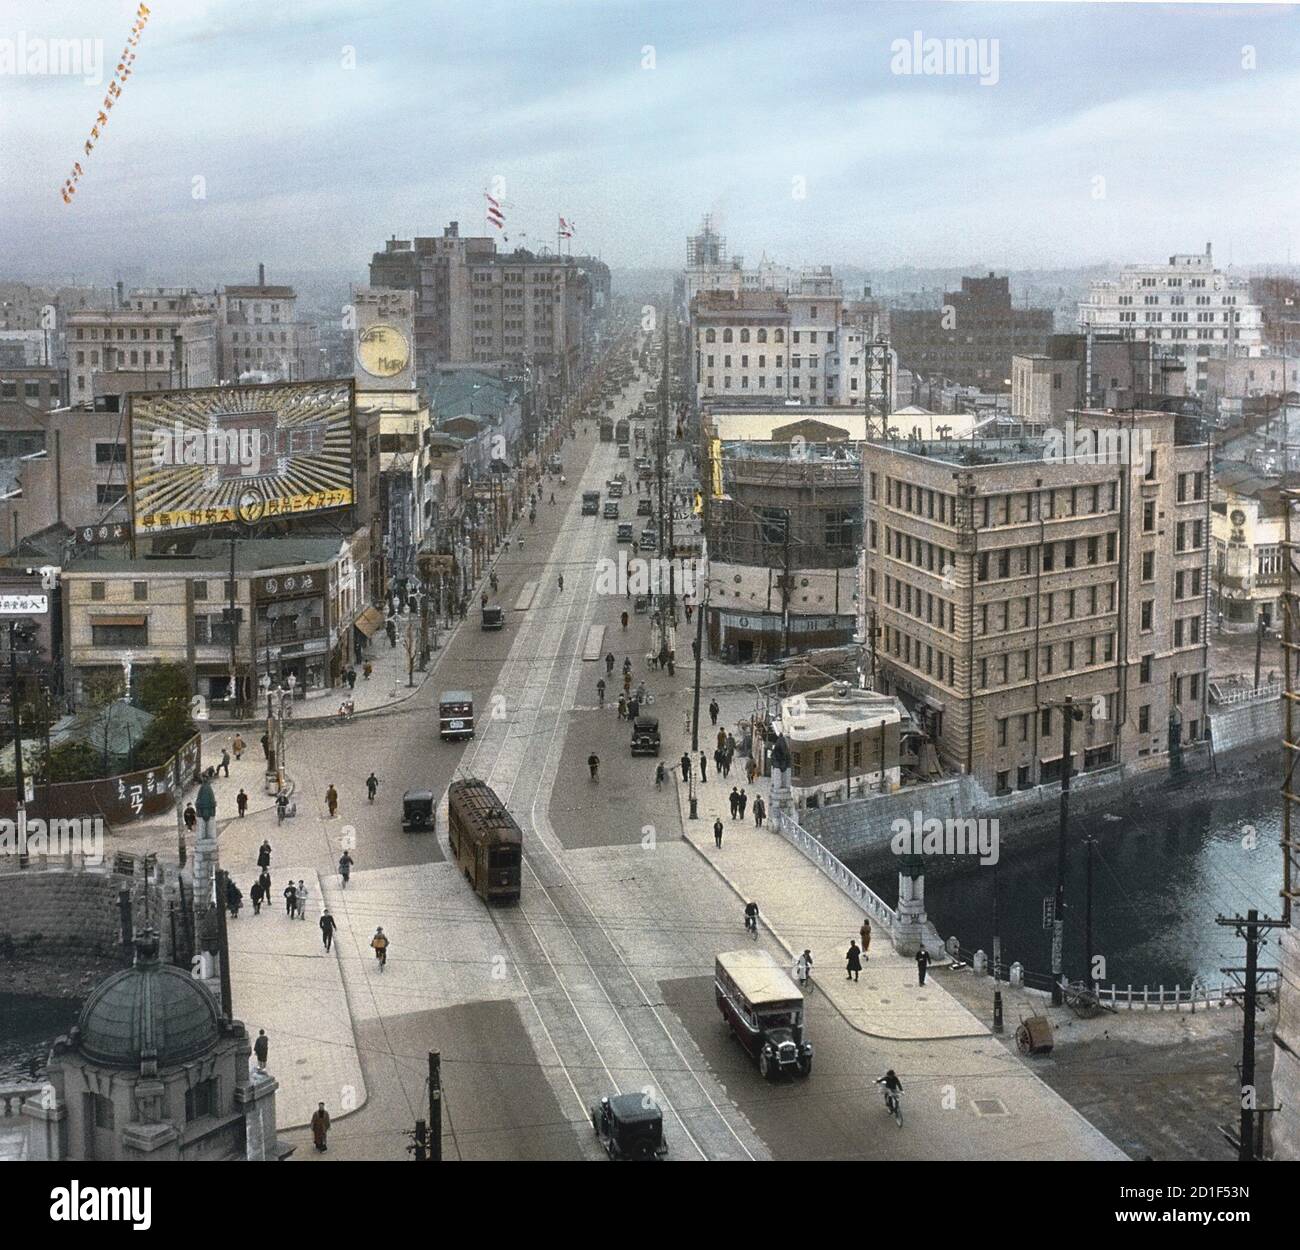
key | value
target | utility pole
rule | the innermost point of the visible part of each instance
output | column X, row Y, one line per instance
column 21, row 800
column 1087, row 916
column 1249, row 928
column 435, row 1106
column 235, row 702
column 1260, row 625
column 1071, row 714
column 785, row 587
column 997, row 956
column 223, row 943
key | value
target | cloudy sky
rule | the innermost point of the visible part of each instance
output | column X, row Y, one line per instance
column 304, row 133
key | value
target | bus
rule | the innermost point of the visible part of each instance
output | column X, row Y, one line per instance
column 763, row 1008
column 485, row 841
column 455, row 714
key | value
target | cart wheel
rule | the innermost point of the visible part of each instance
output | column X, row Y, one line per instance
column 1023, row 1043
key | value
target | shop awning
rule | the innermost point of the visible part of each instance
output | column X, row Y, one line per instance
column 118, row 620
column 370, row 621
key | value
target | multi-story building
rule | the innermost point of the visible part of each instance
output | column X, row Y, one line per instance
column 783, row 540
column 1002, row 576
column 296, row 598
column 1092, row 370
column 1187, row 306
column 259, row 332
column 972, row 338
column 1241, row 386
column 1279, row 305
column 1247, row 527
column 154, row 339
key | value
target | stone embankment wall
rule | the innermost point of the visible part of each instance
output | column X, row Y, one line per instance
column 75, row 910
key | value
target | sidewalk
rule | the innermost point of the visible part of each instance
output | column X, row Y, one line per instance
column 759, row 864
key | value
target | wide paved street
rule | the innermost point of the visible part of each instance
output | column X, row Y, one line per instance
column 600, row 979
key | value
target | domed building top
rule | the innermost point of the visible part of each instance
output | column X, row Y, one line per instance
column 151, row 1015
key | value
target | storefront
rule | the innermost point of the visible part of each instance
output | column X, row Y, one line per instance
column 291, row 634
column 742, row 637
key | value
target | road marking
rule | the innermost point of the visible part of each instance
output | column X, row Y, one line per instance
column 595, row 643
column 525, row 600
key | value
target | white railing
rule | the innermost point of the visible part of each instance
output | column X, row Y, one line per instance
column 1161, row 997
column 1221, row 697
column 848, row 882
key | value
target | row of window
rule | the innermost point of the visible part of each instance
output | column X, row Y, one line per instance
column 93, row 334
column 9, row 389
column 760, row 335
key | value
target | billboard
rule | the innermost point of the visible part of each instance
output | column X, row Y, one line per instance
column 217, row 454
column 385, row 339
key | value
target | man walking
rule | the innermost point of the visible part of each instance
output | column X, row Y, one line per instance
column 704, row 767
column 734, row 800
column 261, row 1048
column 853, row 961
column 327, row 927
column 865, row 934
column 742, row 803
column 241, row 802
column 300, row 900
column 265, row 882
column 713, row 711
column 686, row 766
column 922, row 963
column 332, row 800
column 225, row 761
column 320, row 1126
column 264, row 855
column 760, row 811
column 290, row 900
column 255, row 893
column 717, row 832
column 238, row 747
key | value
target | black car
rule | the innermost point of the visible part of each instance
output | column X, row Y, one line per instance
column 418, row 811
column 645, row 507
column 630, row 1126
column 645, row 736
column 493, row 617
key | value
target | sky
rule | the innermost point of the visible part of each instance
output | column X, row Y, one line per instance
column 305, row 133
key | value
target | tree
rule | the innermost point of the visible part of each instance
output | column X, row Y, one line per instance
column 104, row 687
column 161, row 685
column 71, row 761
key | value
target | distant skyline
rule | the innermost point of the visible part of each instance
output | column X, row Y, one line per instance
column 1104, row 133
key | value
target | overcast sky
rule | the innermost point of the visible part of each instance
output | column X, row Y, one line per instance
column 310, row 165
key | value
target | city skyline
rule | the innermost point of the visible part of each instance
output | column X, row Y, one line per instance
column 631, row 121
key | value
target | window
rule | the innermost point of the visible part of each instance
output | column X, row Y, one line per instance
column 1144, row 673
column 201, row 1100
column 1144, row 718
column 140, row 591
column 1149, row 516
column 1047, row 722
column 1148, row 607
column 97, row 590
column 119, row 635
column 1148, row 566
column 1002, row 731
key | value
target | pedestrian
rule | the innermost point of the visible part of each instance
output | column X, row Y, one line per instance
column 241, row 802
column 922, row 963
column 266, row 747
column 865, row 934
column 327, row 927
column 238, row 747
column 290, row 899
column 366, row 669
column 352, row 678
column 853, row 961
column 734, row 800
column 234, row 898
column 717, row 832
column 332, row 800
column 622, row 707
column 722, row 739
column 261, row 1048
column 751, row 769
column 627, row 682
column 663, row 656
column 300, row 900
column 713, row 711
column 726, row 765
column 661, row 774
column 264, row 855
column 760, row 811
column 191, row 817
column 704, row 767
column 560, row 581
column 255, row 893
column 803, row 966
column 686, row 766
column 742, row 803
column 609, row 664
column 688, row 613
column 225, row 762
column 320, row 1125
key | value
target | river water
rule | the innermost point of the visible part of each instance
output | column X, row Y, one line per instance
column 1164, row 865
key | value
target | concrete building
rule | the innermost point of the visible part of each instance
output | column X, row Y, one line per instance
column 844, row 743
column 783, row 539
column 1278, row 299
column 1247, row 525
column 153, row 1071
column 972, row 337
column 1239, row 388
column 1188, row 306
column 155, row 339
column 1000, row 577
column 301, row 596
column 259, row 332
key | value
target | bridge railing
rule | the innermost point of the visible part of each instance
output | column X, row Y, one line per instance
column 848, row 882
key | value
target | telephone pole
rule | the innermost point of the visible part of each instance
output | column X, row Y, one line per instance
column 1250, row 928
column 435, row 1106
column 1071, row 714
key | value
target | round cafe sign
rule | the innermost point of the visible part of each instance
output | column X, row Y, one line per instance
column 382, row 351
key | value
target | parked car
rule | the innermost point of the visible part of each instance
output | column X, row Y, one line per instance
column 645, row 507
column 494, row 617
column 611, row 509
column 630, row 1126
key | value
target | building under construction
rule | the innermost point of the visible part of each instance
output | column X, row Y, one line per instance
column 783, row 535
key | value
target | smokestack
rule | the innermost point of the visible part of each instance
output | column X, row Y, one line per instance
column 261, row 275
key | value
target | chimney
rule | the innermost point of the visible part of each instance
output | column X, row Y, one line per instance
column 120, row 294
column 261, row 275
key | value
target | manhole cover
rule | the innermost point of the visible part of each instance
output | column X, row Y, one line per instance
column 988, row 1106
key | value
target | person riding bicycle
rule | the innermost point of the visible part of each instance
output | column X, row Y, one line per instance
column 493, row 582
column 600, row 691
column 345, row 867
column 380, row 944
column 627, row 664
column 609, row 663
column 281, row 807
column 751, row 917
column 593, row 762
column 372, row 784
column 893, row 1087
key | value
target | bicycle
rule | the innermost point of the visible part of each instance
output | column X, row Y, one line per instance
column 751, row 924
column 893, row 1100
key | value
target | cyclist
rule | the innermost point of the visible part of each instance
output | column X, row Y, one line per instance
column 609, row 664
column 624, row 620
column 751, row 919
column 593, row 762
column 600, row 691
column 380, row 944
column 345, row 868
column 372, row 784
column 281, row 807
column 893, row 1091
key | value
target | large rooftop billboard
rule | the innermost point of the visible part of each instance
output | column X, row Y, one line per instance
column 217, row 454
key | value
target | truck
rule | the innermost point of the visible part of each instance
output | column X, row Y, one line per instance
column 591, row 503
column 622, row 432
column 606, row 430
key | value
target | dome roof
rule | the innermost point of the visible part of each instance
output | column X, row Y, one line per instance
column 152, row 1012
